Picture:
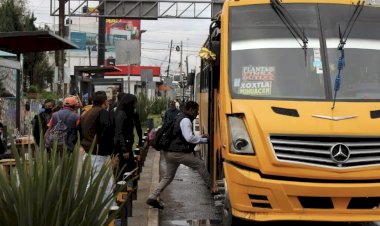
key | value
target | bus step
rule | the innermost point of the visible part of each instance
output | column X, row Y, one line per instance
column 220, row 183
column 219, row 203
column 219, row 197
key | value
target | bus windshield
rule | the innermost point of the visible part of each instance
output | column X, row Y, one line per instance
column 268, row 61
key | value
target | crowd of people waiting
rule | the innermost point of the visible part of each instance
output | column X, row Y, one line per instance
column 110, row 126
column 105, row 130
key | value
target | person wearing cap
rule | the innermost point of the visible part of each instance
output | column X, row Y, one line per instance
column 69, row 116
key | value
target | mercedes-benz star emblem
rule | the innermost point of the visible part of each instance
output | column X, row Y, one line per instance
column 339, row 153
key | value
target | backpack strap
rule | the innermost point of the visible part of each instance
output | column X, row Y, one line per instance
column 59, row 118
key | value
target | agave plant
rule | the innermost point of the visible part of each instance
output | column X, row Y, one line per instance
column 54, row 189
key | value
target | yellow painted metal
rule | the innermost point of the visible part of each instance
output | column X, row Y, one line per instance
column 283, row 197
column 261, row 122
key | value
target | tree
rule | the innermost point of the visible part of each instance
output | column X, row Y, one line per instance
column 10, row 15
column 15, row 17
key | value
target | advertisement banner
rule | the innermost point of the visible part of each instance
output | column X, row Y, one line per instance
column 121, row 29
column 84, row 40
column 116, row 29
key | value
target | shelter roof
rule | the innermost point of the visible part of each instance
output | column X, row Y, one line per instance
column 135, row 70
column 96, row 69
column 32, row 41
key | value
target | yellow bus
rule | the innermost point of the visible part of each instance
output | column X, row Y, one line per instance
column 291, row 102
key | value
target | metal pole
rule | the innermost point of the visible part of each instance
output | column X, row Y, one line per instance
column 181, row 71
column 187, row 73
column 89, row 55
column 61, row 56
column 170, row 53
column 102, row 35
column 129, row 72
column 18, row 93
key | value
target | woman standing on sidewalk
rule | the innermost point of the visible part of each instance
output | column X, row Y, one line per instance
column 125, row 121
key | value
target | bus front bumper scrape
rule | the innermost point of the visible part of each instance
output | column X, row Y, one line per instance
column 255, row 198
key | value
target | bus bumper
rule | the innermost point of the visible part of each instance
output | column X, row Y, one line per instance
column 255, row 198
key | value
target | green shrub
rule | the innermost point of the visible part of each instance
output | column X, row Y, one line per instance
column 33, row 89
column 48, row 95
column 142, row 107
column 54, row 190
column 158, row 105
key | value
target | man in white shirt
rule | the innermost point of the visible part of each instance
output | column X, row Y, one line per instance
column 181, row 151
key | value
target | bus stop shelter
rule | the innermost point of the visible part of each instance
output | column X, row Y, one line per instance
column 20, row 42
column 86, row 77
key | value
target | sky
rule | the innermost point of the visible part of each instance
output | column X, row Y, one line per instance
column 155, row 42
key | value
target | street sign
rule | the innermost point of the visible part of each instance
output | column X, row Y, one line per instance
column 128, row 52
column 168, row 81
column 146, row 75
column 151, row 85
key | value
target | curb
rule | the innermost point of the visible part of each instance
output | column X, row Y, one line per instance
column 154, row 213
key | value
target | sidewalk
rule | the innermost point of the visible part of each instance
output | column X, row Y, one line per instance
column 142, row 214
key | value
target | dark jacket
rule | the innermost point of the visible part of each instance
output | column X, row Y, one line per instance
column 170, row 115
column 44, row 118
column 2, row 146
column 122, row 132
column 179, row 143
column 97, row 122
column 125, row 121
column 124, row 124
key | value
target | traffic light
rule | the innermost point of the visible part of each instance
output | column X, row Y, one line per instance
column 190, row 78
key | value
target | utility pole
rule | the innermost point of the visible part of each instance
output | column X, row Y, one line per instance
column 60, row 53
column 102, row 35
column 187, row 73
column 187, row 65
column 89, row 54
column 182, row 80
column 129, row 70
column 170, row 53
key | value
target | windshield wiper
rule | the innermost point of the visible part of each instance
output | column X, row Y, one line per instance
column 343, row 40
column 297, row 32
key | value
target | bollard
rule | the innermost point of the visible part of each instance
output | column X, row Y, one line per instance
column 132, row 182
column 128, row 200
column 136, row 151
column 145, row 147
column 121, row 186
column 118, row 221
column 124, row 200
column 134, row 192
column 138, row 158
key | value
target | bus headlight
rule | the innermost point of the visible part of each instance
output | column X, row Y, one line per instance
column 240, row 141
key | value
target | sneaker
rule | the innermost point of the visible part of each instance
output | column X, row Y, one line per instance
column 154, row 203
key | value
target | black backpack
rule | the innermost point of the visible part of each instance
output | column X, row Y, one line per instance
column 164, row 136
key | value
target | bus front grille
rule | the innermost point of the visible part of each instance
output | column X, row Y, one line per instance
column 327, row 151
